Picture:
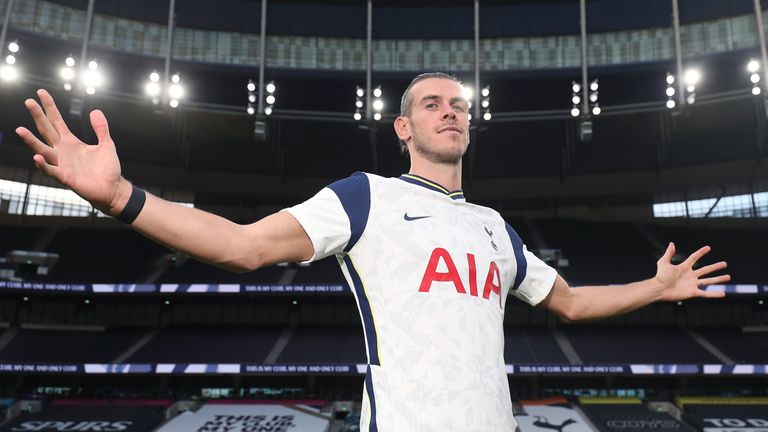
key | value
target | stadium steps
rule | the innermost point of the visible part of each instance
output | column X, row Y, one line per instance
column 710, row 347
column 7, row 337
column 565, row 345
column 280, row 345
column 137, row 346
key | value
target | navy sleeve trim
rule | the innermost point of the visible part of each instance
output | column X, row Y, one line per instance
column 354, row 192
column 522, row 263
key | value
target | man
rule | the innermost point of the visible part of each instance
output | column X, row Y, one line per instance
column 430, row 272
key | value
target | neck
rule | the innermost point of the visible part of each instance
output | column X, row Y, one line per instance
column 447, row 175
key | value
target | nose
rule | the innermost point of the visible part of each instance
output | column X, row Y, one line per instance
column 449, row 113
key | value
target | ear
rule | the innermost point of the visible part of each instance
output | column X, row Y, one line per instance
column 403, row 128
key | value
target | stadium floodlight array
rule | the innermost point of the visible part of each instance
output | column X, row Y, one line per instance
column 691, row 79
column 270, row 98
column 92, row 77
column 175, row 91
column 153, row 87
column 359, row 103
column 670, row 91
column 575, row 99
column 67, row 73
column 594, row 86
column 251, row 107
column 753, row 67
column 485, row 102
column 377, row 104
column 8, row 71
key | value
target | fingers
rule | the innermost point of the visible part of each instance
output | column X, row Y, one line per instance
column 714, row 280
column 694, row 257
column 43, row 124
column 37, row 146
column 47, row 169
column 711, row 294
column 52, row 112
column 669, row 253
column 100, row 126
column 710, row 269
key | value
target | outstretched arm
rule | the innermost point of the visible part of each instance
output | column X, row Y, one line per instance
column 93, row 172
column 671, row 283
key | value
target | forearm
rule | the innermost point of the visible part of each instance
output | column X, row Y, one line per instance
column 605, row 301
column 597, row 302
column 204, row 236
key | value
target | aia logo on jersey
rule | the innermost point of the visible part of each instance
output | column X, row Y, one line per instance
column 431, row 274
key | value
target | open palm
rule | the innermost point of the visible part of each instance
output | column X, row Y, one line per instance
column 91, row 171
column 682, row 281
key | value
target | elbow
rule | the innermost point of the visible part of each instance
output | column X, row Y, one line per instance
column 569, row 314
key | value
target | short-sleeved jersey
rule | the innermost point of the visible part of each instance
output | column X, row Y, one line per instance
column 430, row 274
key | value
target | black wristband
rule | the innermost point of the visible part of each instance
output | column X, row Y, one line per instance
column 133, row 207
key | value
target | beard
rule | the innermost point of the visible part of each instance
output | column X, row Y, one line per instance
column 436, row 153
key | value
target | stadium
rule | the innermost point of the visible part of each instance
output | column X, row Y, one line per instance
column 600, row 130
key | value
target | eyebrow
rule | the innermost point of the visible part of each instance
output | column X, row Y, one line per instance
column 453, row 100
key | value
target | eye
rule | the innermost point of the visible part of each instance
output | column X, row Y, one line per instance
column 431, row 105
column 459, row 108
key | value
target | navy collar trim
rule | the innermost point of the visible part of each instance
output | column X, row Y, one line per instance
column 429, row 184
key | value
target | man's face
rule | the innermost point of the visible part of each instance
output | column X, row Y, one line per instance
column 439, row 121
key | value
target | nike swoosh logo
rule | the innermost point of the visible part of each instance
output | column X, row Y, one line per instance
column 413, row 218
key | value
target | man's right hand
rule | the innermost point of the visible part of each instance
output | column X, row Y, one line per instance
column 91, row 171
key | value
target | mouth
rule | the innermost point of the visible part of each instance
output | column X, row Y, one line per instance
column 450, row 129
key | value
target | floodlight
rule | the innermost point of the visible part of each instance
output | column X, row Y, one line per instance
column 251, row 86
column 467, row 92
column 13, row 47
column 252, row 98
column 93, row 65
column 753, row 66
column 360, row 92
column 10, row 59
column 692, row 77
column 576, row 100
column 67, row 73
column 250, row 110
column 8, row 73
column 377, row 92
column 670, row 78
column 175, row 91
column 378, row 105
column 90, row 90
column 691, row 99
column 671, row 103
column 596, row 110
column 670, row 91
column 377, row 116
column 152, row 88
column 268, row 110
column 594, row 85
column 357, row 116
column 576, row 87
column 67, row 86
column 487, row 116
column 175, row 78
column 69, row 61
column 485, row 103
column 271, row 87
column 575, row 112
column 270, row 99
column 154, row 77
column 593, row 97
column 485, row 92
column 174, row 103
column 756, row 90
column 755, row 78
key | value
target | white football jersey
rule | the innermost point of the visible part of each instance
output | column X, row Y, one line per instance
column 430, row 274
